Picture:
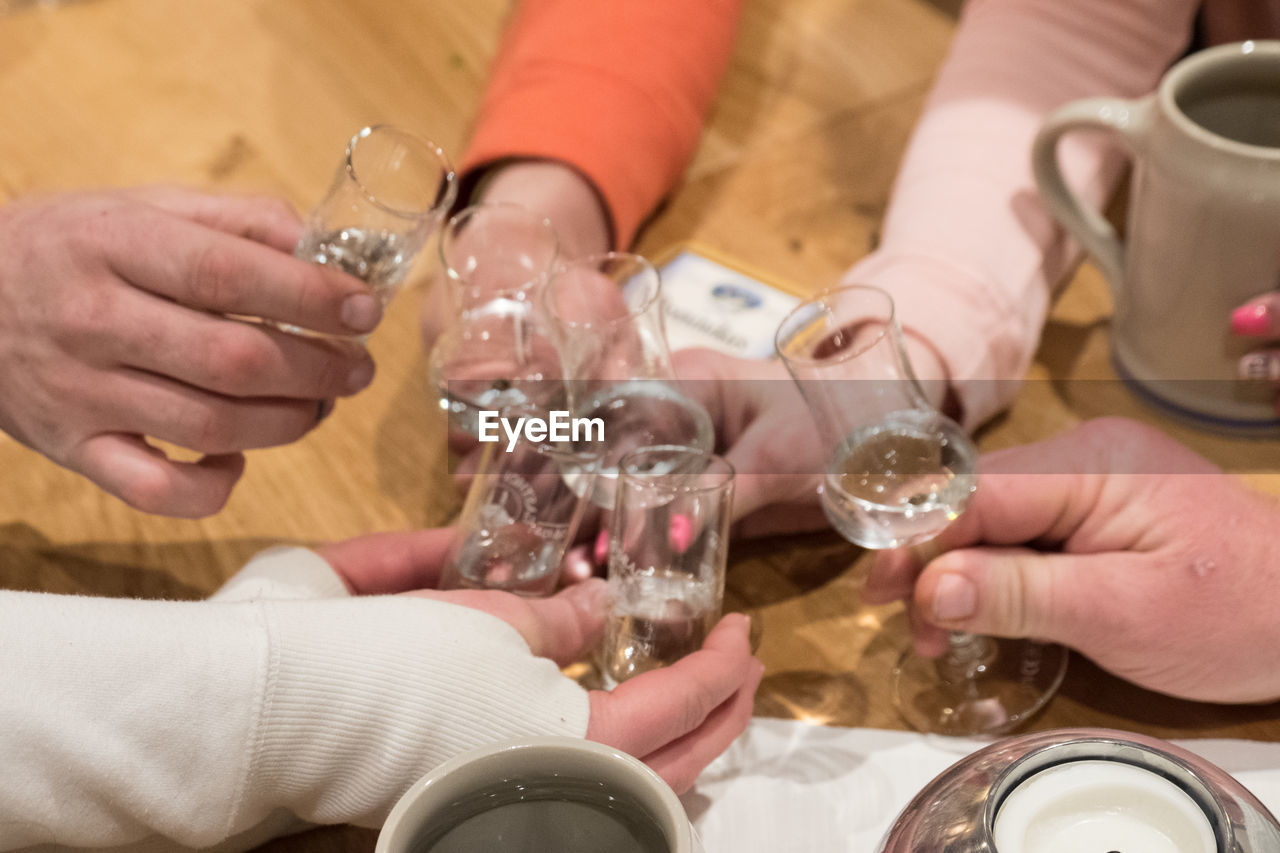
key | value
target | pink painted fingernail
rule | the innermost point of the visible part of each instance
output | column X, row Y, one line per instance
column 1252, row 320
column 601, row 551
column 681, row 533
column 1260, row 367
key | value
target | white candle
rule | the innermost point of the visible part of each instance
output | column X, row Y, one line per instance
column 1097, row 806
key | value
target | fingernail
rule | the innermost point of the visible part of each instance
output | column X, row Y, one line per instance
column 601, row 551
column 360, row 376
column 681, row 533
column 956, row 598
column 1260, row 367
column 1254, row 320
column 361, row 311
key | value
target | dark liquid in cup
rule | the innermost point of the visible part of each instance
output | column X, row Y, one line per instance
column 1246, row 110
column 547, row 815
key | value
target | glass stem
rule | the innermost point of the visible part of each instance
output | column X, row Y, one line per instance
column 966, row 656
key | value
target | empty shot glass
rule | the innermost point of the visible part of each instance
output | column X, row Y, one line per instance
column 389, row 194
column 668, row 545
column 521, row 512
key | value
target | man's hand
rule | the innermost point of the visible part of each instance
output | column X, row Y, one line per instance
column 1117, row 541
column 112, row 330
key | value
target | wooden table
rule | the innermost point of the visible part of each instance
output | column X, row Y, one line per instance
column 792, row 178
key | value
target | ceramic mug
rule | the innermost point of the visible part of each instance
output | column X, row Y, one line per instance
column 1203, row 227
column 431, row 801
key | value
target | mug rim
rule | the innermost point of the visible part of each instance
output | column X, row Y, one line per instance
column 1194, row 65
column 543, row 743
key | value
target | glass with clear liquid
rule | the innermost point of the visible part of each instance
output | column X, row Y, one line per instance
column 654, row 620
column 666, row 579
column 497, row 351
column 387, row 197
column 900, row 482
column 898, row 473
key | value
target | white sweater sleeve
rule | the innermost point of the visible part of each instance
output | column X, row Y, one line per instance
column 121, row 720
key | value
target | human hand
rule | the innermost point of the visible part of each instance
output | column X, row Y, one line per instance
column 676, row 719
column 111, row 331
column 763, row 429
column 1259, row 318
column 1122, row 544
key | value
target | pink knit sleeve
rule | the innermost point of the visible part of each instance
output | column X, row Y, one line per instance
column 968, row 251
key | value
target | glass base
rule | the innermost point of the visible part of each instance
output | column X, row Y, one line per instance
column 980, row 686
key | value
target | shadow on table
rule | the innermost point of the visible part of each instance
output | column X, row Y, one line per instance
column 325, row 839
column 1113, row 701
column 170, row 570
column 825, row 698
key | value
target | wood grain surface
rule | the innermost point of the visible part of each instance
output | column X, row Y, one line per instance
column 792, row 178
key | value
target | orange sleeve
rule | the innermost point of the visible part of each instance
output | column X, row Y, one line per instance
column 618, row 89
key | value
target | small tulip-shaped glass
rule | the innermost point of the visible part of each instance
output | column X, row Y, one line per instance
column 389, row 194
column 496, row 260
column 897, row 472
column 605, row 313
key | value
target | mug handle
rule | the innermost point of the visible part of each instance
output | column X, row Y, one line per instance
column 1126, row 119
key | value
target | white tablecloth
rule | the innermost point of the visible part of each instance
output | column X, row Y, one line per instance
column 789, row 786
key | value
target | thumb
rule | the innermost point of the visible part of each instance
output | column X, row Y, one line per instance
column 571, row 622
column 563, row 627
column 1016, row 592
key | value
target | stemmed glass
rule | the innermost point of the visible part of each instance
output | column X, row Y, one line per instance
column 606, row 320
column 897, row 472
column 496, row 259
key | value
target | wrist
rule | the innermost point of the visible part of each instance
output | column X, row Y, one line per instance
column 557, row 191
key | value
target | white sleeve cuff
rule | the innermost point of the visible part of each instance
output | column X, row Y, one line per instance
column 353, row 716
column 283, row 572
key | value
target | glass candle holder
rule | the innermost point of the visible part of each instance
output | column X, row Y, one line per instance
column 1083, row 790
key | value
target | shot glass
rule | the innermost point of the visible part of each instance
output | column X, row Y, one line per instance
column 521, row 511
column 389, row 194
column 668, row 545
column 496, row 350
column 607, row 324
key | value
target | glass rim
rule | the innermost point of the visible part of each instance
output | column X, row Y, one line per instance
column 447, row 236
column 646, row 266
column 448, row 176
column 822, row 298
column 723, row 473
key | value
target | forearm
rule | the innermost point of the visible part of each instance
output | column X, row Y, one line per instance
column 195, row 721
column 968, row 250
column 617, row 91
